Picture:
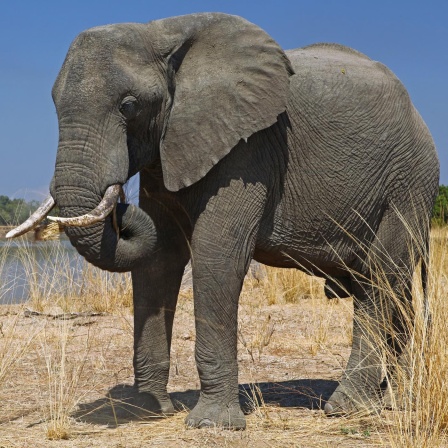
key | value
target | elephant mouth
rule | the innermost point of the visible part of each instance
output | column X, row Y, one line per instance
column 101, row 212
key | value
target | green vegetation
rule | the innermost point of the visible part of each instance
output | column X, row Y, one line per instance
column 440, row 212
column 15, row 211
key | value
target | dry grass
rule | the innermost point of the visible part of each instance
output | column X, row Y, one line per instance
column 421, row 417
column 56, row 375
column 291, row 286
column 70, row 285
column 65, row 359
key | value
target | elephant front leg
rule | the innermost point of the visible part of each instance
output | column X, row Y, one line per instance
column 222, row 245
column 217, row 287
column 155, row 296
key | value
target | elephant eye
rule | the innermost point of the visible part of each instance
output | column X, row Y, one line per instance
column 129, row 107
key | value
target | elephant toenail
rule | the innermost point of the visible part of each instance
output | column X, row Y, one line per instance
column 328, row 409
column 205, row 423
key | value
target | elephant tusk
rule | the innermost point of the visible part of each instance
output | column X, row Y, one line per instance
column 103, row 209
column 34, row 219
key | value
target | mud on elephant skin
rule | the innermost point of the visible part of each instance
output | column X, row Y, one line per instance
column 313, row 158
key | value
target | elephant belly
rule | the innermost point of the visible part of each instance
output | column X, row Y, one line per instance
column 314, row 257
column 317, row 224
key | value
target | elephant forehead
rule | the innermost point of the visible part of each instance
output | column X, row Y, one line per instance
column 102, row 58
column 105, row 42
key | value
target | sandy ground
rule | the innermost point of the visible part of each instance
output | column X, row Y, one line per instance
column 290, row 357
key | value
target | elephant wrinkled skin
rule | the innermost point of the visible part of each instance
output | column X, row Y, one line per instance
column 313, row 158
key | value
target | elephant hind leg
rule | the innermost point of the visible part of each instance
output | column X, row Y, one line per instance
column 382, row 317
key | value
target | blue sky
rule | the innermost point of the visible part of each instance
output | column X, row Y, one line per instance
column 409, row 36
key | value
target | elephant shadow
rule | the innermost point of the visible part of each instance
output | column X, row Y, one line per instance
column 305, row 393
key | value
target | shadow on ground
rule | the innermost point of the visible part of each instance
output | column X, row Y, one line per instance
column 121, row 405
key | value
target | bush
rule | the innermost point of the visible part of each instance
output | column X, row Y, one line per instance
column 440, row 211
column 15, row 211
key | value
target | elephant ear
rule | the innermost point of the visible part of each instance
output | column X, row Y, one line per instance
column 229, row 79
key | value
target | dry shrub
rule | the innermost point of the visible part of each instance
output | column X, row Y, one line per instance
column 105, row 291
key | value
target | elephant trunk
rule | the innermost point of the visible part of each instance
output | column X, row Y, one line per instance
column 117, row 243
column 110, row 235
column 113, row 236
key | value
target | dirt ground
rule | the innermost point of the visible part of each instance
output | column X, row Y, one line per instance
column 290, row 359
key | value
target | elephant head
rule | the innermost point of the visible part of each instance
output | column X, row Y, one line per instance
column 183, row 91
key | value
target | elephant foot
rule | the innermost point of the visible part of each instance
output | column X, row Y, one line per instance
column 141, row 405
column 344, row 401
column 208, row 413
column 389, row 401
column 393, row 398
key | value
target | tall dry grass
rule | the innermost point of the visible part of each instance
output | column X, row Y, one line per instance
column 12, row 346
column 58, row 285
column 71, row 284
column 419, row 396
column 417, row 392
column 66, row 358
column 420, row 400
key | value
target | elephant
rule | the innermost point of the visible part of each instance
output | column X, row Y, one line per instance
column 312, row 159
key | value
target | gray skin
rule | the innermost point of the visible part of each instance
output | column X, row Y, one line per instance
column 313, row 158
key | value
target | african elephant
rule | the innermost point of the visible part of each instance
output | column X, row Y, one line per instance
column 313, row 158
